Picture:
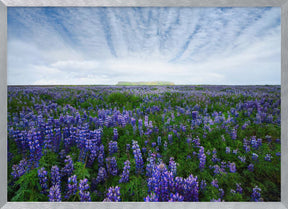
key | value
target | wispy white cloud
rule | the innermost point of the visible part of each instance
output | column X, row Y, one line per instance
column 107, row 45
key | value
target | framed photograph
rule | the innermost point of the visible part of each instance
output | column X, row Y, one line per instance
column 145, row 103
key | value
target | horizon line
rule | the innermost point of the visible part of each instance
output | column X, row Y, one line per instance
column 15, row 85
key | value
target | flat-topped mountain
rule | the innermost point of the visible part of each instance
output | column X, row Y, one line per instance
column 142, row 83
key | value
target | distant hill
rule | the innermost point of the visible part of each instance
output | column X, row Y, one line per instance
column 158, row 83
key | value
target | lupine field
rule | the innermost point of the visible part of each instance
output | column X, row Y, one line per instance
column 144, row 143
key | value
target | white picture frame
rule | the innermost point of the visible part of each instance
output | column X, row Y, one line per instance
column 4, row 4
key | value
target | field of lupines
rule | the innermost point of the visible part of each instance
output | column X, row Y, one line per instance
column 144, row 143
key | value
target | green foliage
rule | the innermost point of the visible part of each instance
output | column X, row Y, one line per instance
column 28, row 188
column 46, row 160
column 81, row 171
column 122, row 99
column 135, row 190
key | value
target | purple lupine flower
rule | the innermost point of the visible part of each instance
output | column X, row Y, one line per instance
column 138, row 157
column 244, row 126
column 214, row 183
column 221, row 193
column 203, row 185
column 112, row 147
column 67, row 144
column 128, row 146
column 111, row 165
column 269, row 118
column 268, row 157
column 62, row 154
column 151, row 198
column 214, row 158
column 34, row 147
column 42, row 175
column 68, row 168
column 150, row 126
column 194, row 114
column 150, row 165
column 259, row 141
column 146, row 121
column 140, row 123
column 176, row 198
column 153, row 144
column 57, row 139
column 191, row 189
column 55, row 194
column 202, row 158
column 227, row 150
column 98, row 133
column 101, row 155
column 179, row 184
column 196, row 141
column 107, row 200
column 165, row 145
column 242, row 159
column 239, row 188
column 214, row 200
column 72, row 186
column 246, row 148
column 232, row 167
column 113, row 194
column 125, row 174
column 20, row 169
column 133, row 122
column 93, row 153
column 156, row 129
column 55, row 176
column 223, row 166
column 254, row 156
column 170, row 138
column 102, row 174
column 256, row 195
column 255, row 143
column 115, row 134
column 183, row 127
column 233, row 134
column 216, row 169
column 251, row 167
column 159, row 141
column 160, row 181
column 84, row 195
column 245, row 141
column 172, row 166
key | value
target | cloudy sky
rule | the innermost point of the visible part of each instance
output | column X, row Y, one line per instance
column 105, row 45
